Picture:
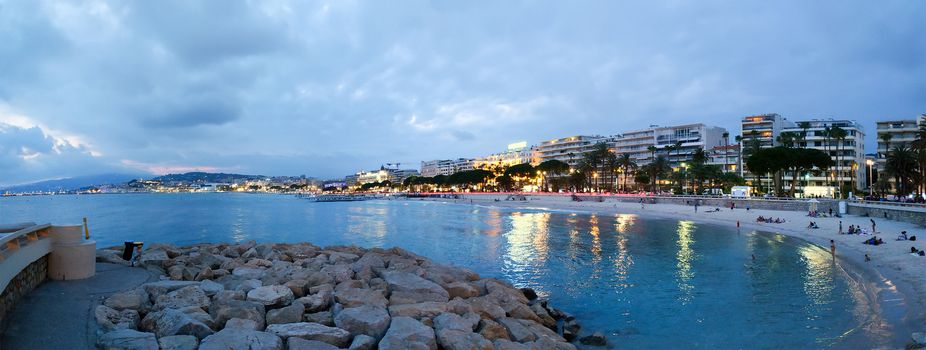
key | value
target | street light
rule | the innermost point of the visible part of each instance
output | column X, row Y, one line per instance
column 870, row 163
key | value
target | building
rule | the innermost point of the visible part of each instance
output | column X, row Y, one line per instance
column 433, row 168
column 567, row 149
column 690, row 137
column 727, row 157
column 758, row 132
column 895, row 133
column 850, row 169
column 517, row 153
column 383, row 174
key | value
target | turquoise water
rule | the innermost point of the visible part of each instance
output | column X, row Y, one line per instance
column 647, row 283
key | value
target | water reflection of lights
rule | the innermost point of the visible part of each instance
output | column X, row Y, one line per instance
column 238, row 234
column 818, row 276
column 685, row 257
column 624, row 260
column 494, row 221
column 596, row 240
column 368, row 222
column 527, row 239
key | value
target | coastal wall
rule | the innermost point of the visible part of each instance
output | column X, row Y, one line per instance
column 755, row 203
column 23, row 283
column 913, row 215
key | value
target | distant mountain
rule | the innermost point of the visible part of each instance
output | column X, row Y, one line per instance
column 206, row 177
column 72, row 183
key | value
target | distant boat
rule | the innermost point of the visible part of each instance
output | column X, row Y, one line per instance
column 335, row 197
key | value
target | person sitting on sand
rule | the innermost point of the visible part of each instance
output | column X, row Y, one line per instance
column 914, row 250
column 760, row 219
column 903, row 236
column 851, row 230
column 813, row 225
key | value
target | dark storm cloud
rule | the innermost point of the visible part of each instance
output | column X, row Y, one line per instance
column 328, row 88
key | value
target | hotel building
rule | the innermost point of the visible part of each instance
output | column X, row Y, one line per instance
column 517, row 153
column 850, row 169
column 567, row 149
column 431, row 168
column 690, row 136
column 902, row 134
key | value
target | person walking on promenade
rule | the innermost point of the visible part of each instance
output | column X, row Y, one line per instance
column 833, row 248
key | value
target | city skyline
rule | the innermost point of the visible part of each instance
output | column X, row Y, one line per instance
column 329, row 89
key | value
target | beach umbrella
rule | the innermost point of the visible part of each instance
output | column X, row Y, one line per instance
column 813, row 204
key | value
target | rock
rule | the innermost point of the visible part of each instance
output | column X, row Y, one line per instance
column 205, row 274
column 454, row 322
column 568, row 335
column 155, row 257
column 323, row 317
column 543, row 316
column 199, row 315
column 111, row 256
column 504, row 291
column 368, row 261
column 302, row 344
column 240, row 323
column 459, row 306
column 418, row 311
column 248, row 285
column 339, row 273
column 135, row 299
column 366, row 319
column 223, row 311
column 298, row 286
column 110, row 319
column 210, row 287
column 516, row 330
column 175, row 272
column 156, row 289
column 522, row 311
column 174, row 322
column 529, row 293
column 596, row 339
column 918, row 340
column 408, row 333
column 275, row 295
column 319, row 301
column 228, row 295
column 544, row 343
column 462, row 289
column 406, row 284
column 492, row 330
column 572, row 325
column 239, row 339
column 486, row 308
column 352, row 297
column 248, row 272
column 178, row 342
column 311, row 331
column 127, row 339
column 505, row 344
column 363, row 342
column 187, row 296
column 288, row 314
column 450, row 339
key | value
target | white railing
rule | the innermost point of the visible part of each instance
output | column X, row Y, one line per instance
column 20, row 248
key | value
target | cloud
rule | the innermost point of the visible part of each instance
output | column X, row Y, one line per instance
column 328, row 88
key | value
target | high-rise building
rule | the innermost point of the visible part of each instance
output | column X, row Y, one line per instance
column 568, row 149
column 896, row 133
column 383, row 174
column 849, row 153
column 758, row 132
column 431, row 168
column 727, row 157
column 517, row 153
column 689, row 137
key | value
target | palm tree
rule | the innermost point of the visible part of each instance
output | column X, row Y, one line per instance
column 626, row 164
column 901, row 164
column 826, row 147
column 839, row 134
column 887, row 142
column 726, row 155
column 658, row 168
column 610, row 165
column 804, row 126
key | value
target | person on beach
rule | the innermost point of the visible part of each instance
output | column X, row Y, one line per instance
column 867, row 258
column 833, row 248
column 873, row 231
column 840, row 226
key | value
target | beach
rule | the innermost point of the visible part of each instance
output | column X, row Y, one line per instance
column 893, row 279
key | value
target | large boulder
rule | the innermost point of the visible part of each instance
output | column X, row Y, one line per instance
column 156, row 289
column 365, row 319
column 486, row 307
column 319, row 301
column 409, row 288
column 462, row 289
column 339, row 273
column 516, row 330
column 240, row 339
column 240, row 323
column 363, row 342
column 127, row 339
column 174, row 322
column 275, row 295
column 419, row 310
column 187, row 296
column 210, row 287
column 110, row 319
column 302, row 344
column 311, row 331
column 352, row 297
column 153, row 257
column 248, row 272
column 456, row 333
column 135, row 299
column 492, row 330
column 288, row 314
column 408, row 333
column 225, row 310
column 178, row 342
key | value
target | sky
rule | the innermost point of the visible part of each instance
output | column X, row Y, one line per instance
column 326, row 89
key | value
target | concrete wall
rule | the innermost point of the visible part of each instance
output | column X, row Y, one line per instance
column 23, row 283
column 914, row 215
column 770, row 204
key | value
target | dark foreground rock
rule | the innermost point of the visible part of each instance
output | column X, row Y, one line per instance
column 300, row 296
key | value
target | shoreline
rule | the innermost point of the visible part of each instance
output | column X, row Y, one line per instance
column 892, row 288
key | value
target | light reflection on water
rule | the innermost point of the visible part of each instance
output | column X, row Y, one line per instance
column 646, row 283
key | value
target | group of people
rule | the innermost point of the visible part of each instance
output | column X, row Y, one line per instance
column 769, row 220
column 856, row 230
column 874, row 241
column 917, row 252
column 813, row 225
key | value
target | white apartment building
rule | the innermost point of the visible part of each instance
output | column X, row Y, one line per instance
column 850, row 169
column 383, row 174
column 517, row 153
column 636, row 143
column 692, row 137
column 727, row 157
column 431, row 168
column 902, row 134
column 568, row 149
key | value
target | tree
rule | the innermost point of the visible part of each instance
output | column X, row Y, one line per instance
column 839, row 134
column 657, row 169
column 593, row 161
column 553, row 167
column 521, row 173
column 627, row 166
column 504, row 182
column 901, row 164
column 726, row 153
column 804, row 127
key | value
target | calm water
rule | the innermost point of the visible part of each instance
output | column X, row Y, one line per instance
column 647, row 283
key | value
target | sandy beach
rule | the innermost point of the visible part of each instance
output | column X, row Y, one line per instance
column 893, row 279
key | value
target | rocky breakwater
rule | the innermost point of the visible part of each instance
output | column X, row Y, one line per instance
column 300, row 296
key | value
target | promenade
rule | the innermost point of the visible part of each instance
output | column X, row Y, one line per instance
column 59, row 314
